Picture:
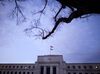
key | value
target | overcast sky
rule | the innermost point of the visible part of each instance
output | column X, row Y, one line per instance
column 78, row 41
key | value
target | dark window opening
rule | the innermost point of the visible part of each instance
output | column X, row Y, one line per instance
column 19, row 72
column 28, row 73
column 6, row 66
column 74, row 73
column 33, row 66
column 79, row 67
column 54, row 70
column 0, row 72
column 2, row 66
column 29, row 67
column 69, row 73
column 90, row 67
column 15, row 72
column 73, row 67
column 9, row 66
column 21, row 66
column 4, row 72
column 32, row 72
column 41, row 70
column 13, row 66
column 17, row 66
column 80, row 73
column 23, row 72
column 68, row 67
column 8, row 72
column 11, row 72
column 48, row 70
column 85, row 67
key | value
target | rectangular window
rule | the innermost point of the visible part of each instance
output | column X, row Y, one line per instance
column 28, row 73
column 15, row 72
column 4, row 72
column 54, row 70
column 23, row 72
column 48, row 70
column 41, row 70
column 32, row 72
column 8, row 72
column 19, row 72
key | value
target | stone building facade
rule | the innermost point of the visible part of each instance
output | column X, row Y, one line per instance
column 50, row 64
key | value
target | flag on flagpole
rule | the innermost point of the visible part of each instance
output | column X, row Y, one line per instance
column 51, row 47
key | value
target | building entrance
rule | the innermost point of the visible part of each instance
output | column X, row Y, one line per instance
column 48, row 70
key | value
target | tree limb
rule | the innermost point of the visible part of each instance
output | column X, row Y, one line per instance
column 18, row 10
column 73, row 15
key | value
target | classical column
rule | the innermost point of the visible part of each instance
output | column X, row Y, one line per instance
column 51, row 70
column 57, row 70
column 44, row 69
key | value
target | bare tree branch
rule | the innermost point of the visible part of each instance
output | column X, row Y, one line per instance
column 42, row 10
column 73, row 15
column 41, row 32
column 17, row 10
column 55, row 18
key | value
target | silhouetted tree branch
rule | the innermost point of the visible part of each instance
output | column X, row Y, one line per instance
column 83, row 7
column 78, row 8
column 18, row 11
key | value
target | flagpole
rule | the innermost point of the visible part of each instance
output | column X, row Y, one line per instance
column 51, row 49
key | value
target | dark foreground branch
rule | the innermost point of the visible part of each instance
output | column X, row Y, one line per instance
column 55, row 27
column 73, row 15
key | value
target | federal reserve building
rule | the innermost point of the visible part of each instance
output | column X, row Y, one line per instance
column 50, row 64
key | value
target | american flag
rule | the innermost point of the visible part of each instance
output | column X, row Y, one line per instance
column 51, row 47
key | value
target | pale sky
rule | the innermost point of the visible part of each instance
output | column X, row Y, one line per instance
column 78, row 41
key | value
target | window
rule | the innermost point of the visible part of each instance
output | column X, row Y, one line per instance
column 13, row 66
column 74, row 73
column 19, row 72
column 15, row 72
column 73, row 67
column 80, row 73
column 11, row 72
column 9, row 66
column 23, row 72
column 85, row 67
column 69, row 73
column 33, row 66
column 32, row 72
column 4, row 72
column 21, row 66
column 68, row 67
column 54, row 69
column 28, row 73
column 90, row 67
column 2, row 66
column 48, row 70
column 79, row 67
column 8, row 72
column 41, row 70
column 6, row 66
column 29, row 67
column 0, row 72
column 17, row 66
